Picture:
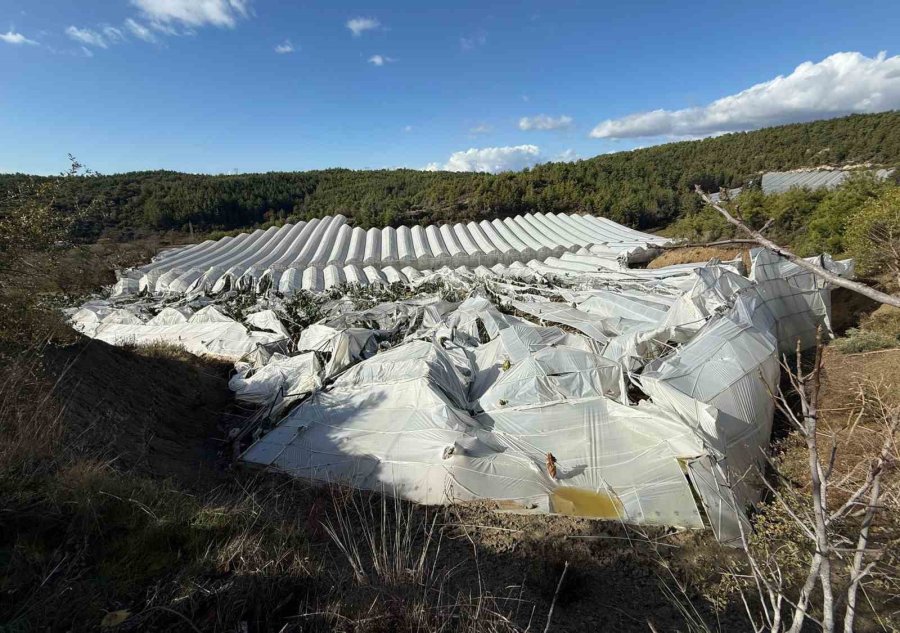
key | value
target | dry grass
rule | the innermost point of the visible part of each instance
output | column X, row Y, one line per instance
column 82, row 537
column 35, row 286
column 84, row 534
column 31, row 426
column 161, row 350
column 114, row 508
column 879, row 330
column 885, row 320
column 702, row 255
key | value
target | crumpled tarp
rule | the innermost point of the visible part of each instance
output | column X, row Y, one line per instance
column 570, row 384
column 279, row 382
column 204, row 332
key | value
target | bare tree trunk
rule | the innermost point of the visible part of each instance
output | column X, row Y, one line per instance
column 809, row 402
column 737, row 242
column 827, row 275
column 800, row 611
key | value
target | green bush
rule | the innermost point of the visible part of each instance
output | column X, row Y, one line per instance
column 811, row 221
column 857, row 341
column 873, row 234
column 824, row 232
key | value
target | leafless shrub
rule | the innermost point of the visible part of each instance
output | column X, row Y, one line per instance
column 812, row 561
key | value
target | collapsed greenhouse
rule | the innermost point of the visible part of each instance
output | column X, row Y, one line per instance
column 528, row 361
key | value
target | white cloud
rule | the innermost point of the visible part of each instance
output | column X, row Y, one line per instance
column 194, row 13
column 11, row 37
column 473, row 42
column 140, row 31
column 284, row 48
column 566, row 156
column 481, row 128
column 87, row 52
column 168, row 29
column 113, row 34
column 544, row 122
column 381, row 60
column 361, row 25
column 86, row 36
column 843, row 83
column 490, row 159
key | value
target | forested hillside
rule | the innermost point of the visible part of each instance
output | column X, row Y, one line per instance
column 644, row 188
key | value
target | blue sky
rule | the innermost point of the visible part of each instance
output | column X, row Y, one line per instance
column 197, row 85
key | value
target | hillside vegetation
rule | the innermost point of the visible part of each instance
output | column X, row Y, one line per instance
column 645, row 188
column 811, row 221
column 122, row 509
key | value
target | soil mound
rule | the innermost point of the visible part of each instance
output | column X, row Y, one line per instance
column 153, row 410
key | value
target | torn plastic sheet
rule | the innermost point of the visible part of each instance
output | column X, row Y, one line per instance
column 721, row 384
column 441, row 401
column 363, row 431
column 808, row 290
column 342, row 347
column 267, row 321
column 553, row 374
column 726, row 516
column 511, row 345
column 278, row 383
column 556, row 312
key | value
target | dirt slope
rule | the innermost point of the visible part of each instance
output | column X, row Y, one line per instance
column 155, row 412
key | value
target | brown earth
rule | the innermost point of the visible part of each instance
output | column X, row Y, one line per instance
column 154, row 412
column 848, row 382
column 848, row 309
column 854, row 389
column 701, row 254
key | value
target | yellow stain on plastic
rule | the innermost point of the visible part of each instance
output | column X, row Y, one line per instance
column 579, row 502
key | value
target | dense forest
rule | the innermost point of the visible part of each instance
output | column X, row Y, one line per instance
column 645, row 188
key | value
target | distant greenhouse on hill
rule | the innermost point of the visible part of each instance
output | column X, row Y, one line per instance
column 781, row 181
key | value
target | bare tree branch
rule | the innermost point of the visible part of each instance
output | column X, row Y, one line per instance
column 827, row 275
column 735, row 242
column 858, row 571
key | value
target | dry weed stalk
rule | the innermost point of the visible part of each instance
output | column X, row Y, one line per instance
column 30, row 414
column 395, row 548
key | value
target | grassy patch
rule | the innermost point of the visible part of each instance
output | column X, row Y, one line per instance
column 877, row 331
column 885, row 320
column 857, row 341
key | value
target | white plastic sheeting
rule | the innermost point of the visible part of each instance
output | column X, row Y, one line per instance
column 474, row 411
column 278, row 383
column 720, row 385
column 316, row 255
column 556, row 312
column 523, row 393
column 204, row 332
column 554, row 374
column 397, row 423
column 342, row 347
